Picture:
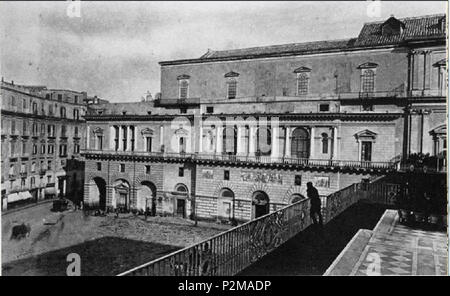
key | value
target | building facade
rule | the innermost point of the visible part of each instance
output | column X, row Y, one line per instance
column 237, row 134
column 43, row 133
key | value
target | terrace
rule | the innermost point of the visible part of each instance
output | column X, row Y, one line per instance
column 260, row 161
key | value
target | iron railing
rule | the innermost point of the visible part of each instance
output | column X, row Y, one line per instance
column 307, row 162
column 230, row 252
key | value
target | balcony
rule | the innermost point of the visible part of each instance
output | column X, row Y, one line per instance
column 260, row 161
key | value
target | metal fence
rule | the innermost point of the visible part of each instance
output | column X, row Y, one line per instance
column 232, row 251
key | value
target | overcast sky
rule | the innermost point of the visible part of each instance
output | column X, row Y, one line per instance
column 113, row 49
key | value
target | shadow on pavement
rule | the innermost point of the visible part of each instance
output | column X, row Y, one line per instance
column 313, row 250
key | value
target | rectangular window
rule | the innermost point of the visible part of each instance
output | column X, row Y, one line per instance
column 13, row 127
column 99, row 166
column 24, row 128
column 209, row 109
column 49, row 166
column 148, row 144
column 122, row 168
column 147, row 169
column 302, row 84
column 49, row 179
column 366, row 151
column 51, row 149
column 226, row 175
column 367, row 107
column 184, row 89
column 35, row 149
column 183, row 110
column 368, row 81
column 324, row 107
column 59, row 97
column 232, row 89
column 23, row 182
column 76, row 149
column 298, row 180
column 43, row 149
column 24, row 147
column 12, row 148
column 181, row 172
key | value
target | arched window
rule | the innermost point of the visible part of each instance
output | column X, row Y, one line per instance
column 368, row 80
column 181, row 188
column 325, row 143
column 302, row 83
column 227, row 193
column 230, row 140
column 300, row 143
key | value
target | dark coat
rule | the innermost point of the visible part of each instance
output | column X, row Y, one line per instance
column 313, row 194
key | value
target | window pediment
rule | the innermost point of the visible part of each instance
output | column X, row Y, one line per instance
column 302, row 70
column 231, row 74
column 441, row 63
column 98, row 130
column 368, row 65
column 147, row 132
column 181, row 132
column 440, row 130
column 183, row 77
column 366, row 134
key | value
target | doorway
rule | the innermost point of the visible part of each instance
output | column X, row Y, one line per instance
column 181, row 208
column 261, row 204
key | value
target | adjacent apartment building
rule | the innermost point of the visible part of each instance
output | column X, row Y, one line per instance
column 238, row 133
column 43, row 132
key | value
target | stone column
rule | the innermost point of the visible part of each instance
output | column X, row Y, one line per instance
column 120, row 139
column 112, row 135
column 287, row 142
column 129, row 135
column 239, row 140
column 161, row 136
column 335, row 144
column 275, row 142
column 200, row 143
column 219, row 139
column 251, row 141
column 311, row 142
column 88, row 137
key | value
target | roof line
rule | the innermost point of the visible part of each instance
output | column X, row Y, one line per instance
column 407, row 18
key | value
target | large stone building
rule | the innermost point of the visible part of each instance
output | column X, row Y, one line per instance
column 43, row 132
column 238, row 133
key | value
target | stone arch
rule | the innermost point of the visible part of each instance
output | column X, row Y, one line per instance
column 121, row 194
column 293, row 190
column 97, row 193
column 146, row 196
column 225, row 204
column 260, row 204
column 258, row 187
column 224, row 184
column 181, row 193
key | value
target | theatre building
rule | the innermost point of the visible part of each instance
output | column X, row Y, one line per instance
column 238, row 133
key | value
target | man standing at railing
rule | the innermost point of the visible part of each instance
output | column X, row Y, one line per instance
column 313, row 195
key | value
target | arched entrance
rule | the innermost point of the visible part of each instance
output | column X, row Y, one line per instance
column 97, row 193
column 225, row 211
column 121, row 195
column 300, row 143
column 260, row 203
column 181, row 194
column 146, row 197
column 296, row 198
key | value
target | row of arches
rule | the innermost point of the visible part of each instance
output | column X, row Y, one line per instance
column 146, row 199
column 299, row 145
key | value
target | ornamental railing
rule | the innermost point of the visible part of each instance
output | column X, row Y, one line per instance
column 230, row 252
column 307, row 162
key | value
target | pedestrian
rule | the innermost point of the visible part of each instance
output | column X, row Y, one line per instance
column 313, row 195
